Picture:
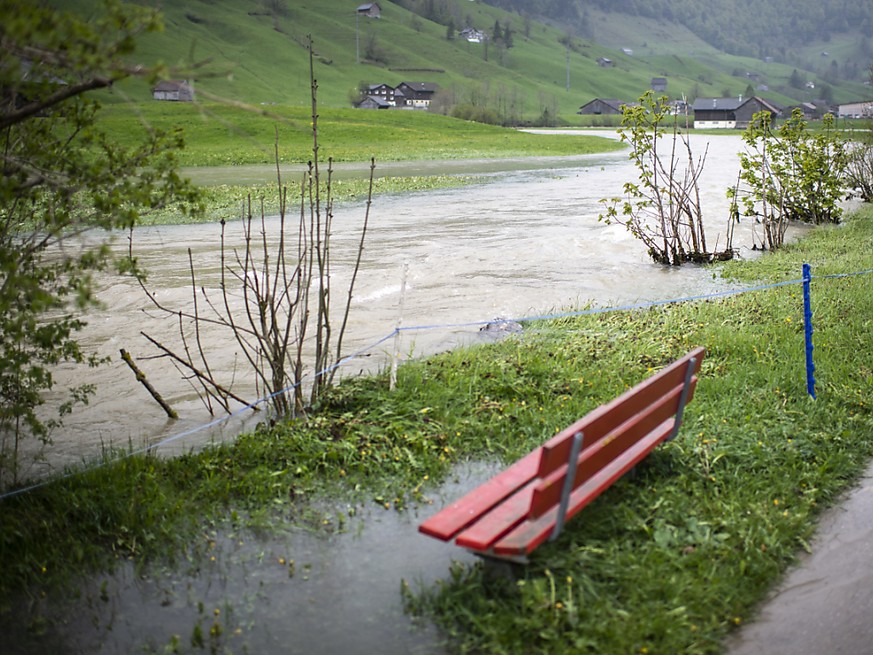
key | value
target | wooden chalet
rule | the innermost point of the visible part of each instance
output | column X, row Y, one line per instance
column 603, row 107
column 174, row 91
column 370, row 10
column 730, row 113
column 414, row 95
column 659, row 84
column 382, row 91
column 472, row 35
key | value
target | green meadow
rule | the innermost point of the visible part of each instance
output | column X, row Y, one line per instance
column 254, row 51
column 218, row 134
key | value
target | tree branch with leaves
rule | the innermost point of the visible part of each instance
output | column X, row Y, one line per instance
column 790, row 174
column 62, row 177
column 662, row 208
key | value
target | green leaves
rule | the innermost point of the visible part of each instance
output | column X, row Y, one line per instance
column 790, row 174
column 63, row 176
column 663, row 208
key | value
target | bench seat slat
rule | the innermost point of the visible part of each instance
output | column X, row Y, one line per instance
column 455, row 517
column 530, row 534
column 496, row 523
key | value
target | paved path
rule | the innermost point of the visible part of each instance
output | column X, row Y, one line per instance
column 825, row 604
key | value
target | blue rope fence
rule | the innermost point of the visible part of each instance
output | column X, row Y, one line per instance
column 805, row 280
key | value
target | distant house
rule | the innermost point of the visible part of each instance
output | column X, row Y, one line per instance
column 472, row 35
column 679, row 108
column 383, row 91
column 628, row 52
column 173, row 90
column 374, row 102
column 414, row 95
column 602, row 107
column 822, row 107
column 370, row 10
column 659, row 84
column 730, row 113
column 809, row 110
column 603, row 62
column 857, row 109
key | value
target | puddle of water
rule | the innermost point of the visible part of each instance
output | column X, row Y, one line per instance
column 296, row 592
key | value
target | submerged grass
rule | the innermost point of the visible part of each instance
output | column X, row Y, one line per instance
column 667, row 561
column 225, row 135
column 225, row 201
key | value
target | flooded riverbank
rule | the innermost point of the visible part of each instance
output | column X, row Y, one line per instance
column 525, row 242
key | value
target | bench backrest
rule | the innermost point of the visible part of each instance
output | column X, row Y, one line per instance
column 518, row 508
column 612, row 428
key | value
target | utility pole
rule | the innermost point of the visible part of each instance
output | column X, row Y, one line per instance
column 568, row 64
column 357, row 39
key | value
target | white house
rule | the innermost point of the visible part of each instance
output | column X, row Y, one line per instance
column 857, row 109
column 472, row 35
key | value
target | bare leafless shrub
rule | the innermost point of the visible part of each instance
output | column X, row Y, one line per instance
column 274, row 298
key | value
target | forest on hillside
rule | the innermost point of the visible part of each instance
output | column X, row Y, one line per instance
column 760, row 28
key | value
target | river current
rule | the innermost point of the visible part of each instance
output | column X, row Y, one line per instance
column 525, row 241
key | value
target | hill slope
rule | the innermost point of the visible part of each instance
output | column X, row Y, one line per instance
column 785, row 32
column 258, row 53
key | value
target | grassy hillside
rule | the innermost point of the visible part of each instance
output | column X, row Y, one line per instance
column 257, row 53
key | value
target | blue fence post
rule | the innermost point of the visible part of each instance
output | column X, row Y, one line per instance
column 807, row 330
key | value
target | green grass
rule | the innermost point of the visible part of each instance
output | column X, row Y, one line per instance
column 222, row 135
column 219, row 134
column 261, row 59
column 669, row 560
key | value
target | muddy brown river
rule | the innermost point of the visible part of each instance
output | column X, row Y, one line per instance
column 524, row 242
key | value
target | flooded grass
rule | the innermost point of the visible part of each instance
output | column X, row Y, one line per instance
column 226, row 201
column 669, row 561
column 332, row 586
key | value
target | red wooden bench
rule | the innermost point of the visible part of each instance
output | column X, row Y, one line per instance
column 529, row 502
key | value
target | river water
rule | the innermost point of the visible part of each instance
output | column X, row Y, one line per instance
column 523, row 242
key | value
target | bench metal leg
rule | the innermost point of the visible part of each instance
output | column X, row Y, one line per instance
column 569, row 479
column 499, row 568
column 683, row 398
